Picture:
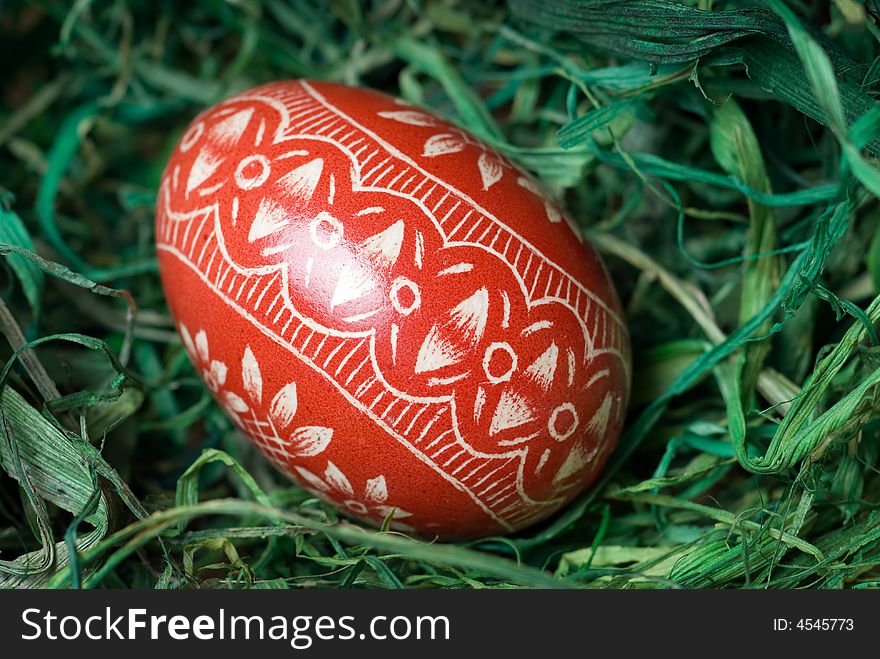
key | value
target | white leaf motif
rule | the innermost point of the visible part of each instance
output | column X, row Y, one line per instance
column 579, row 458
column 410, row 117
column 251, row 376
column 311, row 440
column 228, row 131
column 436, row 352
column 377, row 490
column 440, row 145
column 235, row 402
column 202, row 169
column 337, row 480
column 529, row 185
column 312, row 480
column 202, row 346
column 512, row 411
column 283, row 406
column 218, row 373
column 302, row 182
column 269, row 218
column 553, row 213
column 490, row 170
column 187, row 340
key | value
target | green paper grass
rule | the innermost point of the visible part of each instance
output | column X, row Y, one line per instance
column 722, row 155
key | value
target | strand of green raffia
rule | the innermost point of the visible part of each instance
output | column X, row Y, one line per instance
column 60, row 158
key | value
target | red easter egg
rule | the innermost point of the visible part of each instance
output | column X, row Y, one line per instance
column 390, row 309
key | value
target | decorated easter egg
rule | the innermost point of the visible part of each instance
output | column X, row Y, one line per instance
column 391, row 310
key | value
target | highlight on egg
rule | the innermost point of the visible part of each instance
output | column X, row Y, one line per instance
column 391, row 310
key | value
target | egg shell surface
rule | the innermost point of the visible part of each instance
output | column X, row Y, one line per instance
column 391, row 310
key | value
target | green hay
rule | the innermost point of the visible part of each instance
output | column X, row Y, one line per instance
column 720, row 154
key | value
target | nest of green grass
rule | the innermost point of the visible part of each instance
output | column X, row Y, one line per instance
column 720, row 154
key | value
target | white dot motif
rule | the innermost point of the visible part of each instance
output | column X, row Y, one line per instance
column 496, row 378
column 332, row 237
column 247, row 180
column 554, row 417
column 400, row 284
column 191, row 136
